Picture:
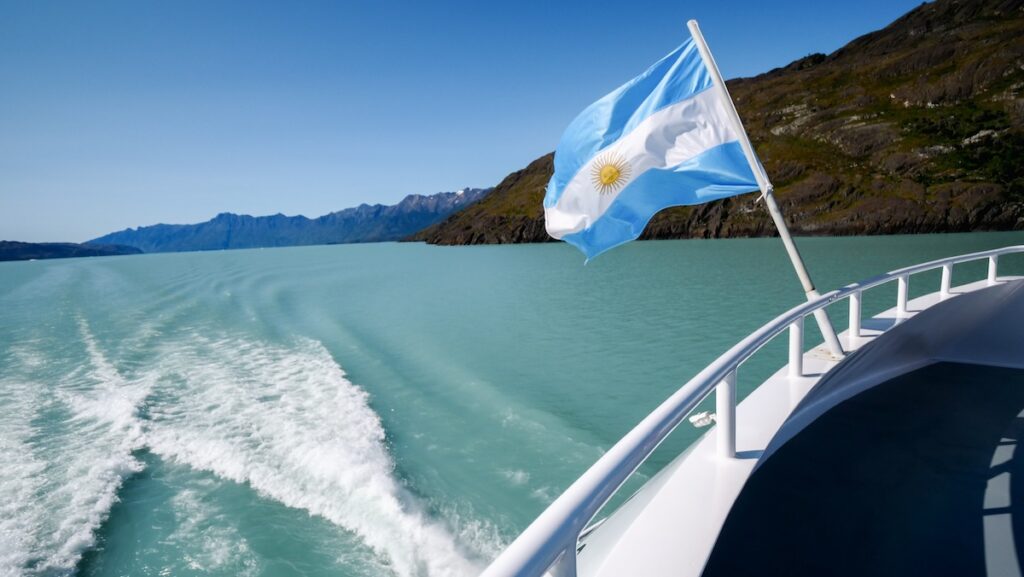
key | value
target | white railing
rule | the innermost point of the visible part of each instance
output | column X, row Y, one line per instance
column 550, row 542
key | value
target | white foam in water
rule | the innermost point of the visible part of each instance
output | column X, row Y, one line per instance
column 64, row 480
column 516, row 476
column 107, row 431
column 22, row 476
column 209, row 546
column 480, row 536
column 287, row 422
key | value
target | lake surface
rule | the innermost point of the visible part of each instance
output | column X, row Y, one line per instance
column 363, row 410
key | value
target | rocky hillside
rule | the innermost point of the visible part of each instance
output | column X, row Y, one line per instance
column 12, row 250
column 511, row 213
column 364, row 223
column 918, row 127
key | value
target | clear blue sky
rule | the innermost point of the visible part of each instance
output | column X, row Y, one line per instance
column 120, row 114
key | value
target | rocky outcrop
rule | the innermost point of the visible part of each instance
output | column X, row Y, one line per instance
column 512, row 213
column 918, row 127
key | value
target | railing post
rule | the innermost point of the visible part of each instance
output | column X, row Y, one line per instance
column 902, row 288
column 947, row 281
column 854, row 316
column 796, row 348
column 725, row 415
column 993, row 263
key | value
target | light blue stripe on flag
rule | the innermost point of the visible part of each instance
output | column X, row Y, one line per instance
column 675, row 77
column 668, row 137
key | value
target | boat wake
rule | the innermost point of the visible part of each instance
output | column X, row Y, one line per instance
column 287, row 422
column 284, row 420
column 66, row 456
column 205, row 544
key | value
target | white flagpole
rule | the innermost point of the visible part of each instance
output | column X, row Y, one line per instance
column 824, row 324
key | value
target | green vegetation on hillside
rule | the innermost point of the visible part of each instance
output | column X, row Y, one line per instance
column 918, row 127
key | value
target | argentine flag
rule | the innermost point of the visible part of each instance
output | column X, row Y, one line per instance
column 665, row 138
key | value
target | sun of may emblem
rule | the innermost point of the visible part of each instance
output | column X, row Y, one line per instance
column 609, row 173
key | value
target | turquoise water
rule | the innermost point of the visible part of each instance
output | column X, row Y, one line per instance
column 361, row 409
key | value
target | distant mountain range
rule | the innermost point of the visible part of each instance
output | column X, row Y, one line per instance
column 915, row 128
column 364, row 223
column 11, row 250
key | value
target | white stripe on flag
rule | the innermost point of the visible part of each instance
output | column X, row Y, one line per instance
column 665, row 139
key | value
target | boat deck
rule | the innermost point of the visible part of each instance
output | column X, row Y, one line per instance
column 671, row 526
column 917, row 476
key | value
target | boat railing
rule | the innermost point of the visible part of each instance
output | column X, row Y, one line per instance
column 550, row 543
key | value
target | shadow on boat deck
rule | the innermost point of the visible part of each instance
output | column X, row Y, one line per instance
column 917, row 476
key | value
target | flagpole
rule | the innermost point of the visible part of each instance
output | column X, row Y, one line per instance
column 824, row 324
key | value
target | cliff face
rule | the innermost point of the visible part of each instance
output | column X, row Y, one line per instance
column 918, row 127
